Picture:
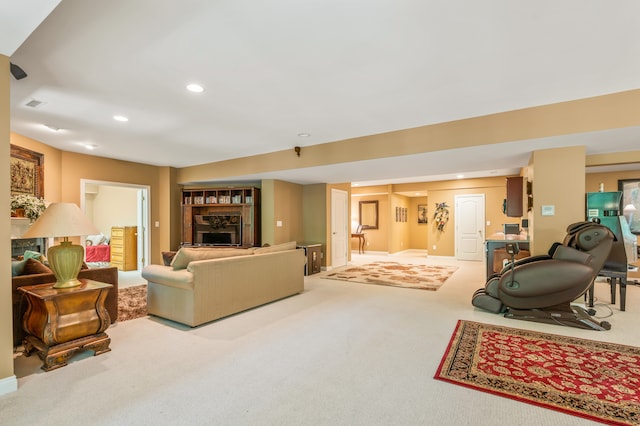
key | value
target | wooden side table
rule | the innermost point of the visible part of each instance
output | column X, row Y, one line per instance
column 61, row 322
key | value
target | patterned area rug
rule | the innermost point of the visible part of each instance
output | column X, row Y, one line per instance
column 423, row 277
column 132, row 302
column 594, row 380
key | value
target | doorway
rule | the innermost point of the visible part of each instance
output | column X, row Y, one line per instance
column 126, row 205
column 469, row 220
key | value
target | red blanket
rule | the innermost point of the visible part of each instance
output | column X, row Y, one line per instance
column 100, row 253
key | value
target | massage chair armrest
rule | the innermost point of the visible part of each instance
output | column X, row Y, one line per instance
column 550, row 277
column 523, row 261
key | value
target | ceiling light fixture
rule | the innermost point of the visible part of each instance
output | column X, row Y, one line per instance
column 195, row 88
column 90, row 146
column 52, row 128
column 304, row 135
column 120, row 118
column 460, row 176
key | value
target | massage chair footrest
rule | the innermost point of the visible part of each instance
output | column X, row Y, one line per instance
column 575, row 316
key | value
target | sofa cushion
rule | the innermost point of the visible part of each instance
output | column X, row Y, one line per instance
column 33, row 266
column 30, row 254
column 291, row 245
column 167, row 257
column 17, row 267
column 189, row 254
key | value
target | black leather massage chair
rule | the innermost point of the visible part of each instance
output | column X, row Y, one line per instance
column 541, row 288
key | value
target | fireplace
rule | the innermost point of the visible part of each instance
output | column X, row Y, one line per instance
column 221, row 228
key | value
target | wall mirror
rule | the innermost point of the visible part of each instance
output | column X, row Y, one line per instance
column 369, row 214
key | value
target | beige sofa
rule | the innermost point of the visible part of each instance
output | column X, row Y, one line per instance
column 216, row 282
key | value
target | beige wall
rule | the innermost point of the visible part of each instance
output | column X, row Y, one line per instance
column 281, row 203
column 558, row 181
column 8, row 381
column 418, row 232
column 314, row 206
column 112, row 206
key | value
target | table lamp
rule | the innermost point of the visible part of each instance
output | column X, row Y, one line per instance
column 65, row 260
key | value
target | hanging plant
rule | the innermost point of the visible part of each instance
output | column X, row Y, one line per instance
column 441, row 216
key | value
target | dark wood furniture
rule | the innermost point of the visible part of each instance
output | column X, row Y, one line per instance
column 495, row 248
column 61, row 322
column 514, row 200
column 106, row 275
column 361, row 241
column 313, row 253
column 221, row 216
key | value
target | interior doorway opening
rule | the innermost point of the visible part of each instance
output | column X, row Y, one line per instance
column 117, row 204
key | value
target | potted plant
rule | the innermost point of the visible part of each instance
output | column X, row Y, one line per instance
column 28, row 206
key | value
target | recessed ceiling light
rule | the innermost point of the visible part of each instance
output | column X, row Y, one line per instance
column 460, row 176
column 90, row 146
column 120, row 118
column 195, row 88
column 304, row 135
column 52, row 128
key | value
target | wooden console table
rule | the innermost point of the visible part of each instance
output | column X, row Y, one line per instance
column 61, row 322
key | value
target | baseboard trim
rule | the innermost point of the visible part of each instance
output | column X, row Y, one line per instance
column 8, row 385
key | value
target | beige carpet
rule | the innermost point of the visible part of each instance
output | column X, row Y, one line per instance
column 422, row 277
column 132, row 302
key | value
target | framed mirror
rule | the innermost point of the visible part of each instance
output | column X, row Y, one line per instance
column 369, row 214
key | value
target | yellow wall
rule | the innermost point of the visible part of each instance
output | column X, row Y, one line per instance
column 65, row 186
column 7, row 379
column 418, row 232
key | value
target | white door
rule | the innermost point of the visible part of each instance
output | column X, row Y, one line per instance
column 339, row 228
column 469, row 220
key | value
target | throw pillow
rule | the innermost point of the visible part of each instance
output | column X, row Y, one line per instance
column 167, row 257
column 291, row 245
column 186, row 255
column 33, row 267
column 30, row 254
column 17, row 267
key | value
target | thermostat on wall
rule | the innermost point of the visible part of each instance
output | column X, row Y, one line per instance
column 548, row 210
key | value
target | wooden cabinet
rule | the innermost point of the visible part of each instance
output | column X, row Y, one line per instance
column 514, row 199
column 221, row 216
column 124, row 247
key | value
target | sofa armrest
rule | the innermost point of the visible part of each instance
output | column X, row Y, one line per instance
column 166, row 275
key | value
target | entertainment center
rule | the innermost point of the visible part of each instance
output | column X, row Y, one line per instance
column 221, row 217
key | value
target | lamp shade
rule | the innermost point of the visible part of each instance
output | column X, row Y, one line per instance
column 61, row 220
column 629, row 208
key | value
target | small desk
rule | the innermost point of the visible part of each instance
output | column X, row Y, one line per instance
column 61, row 322
column 361, row 241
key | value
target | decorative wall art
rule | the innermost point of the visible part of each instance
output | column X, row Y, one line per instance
column 27, row 172
column 441, row 216
column 423, row 214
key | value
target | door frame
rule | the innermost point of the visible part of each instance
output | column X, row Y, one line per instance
column 143, row 213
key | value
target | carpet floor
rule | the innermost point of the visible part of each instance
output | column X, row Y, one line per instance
column 586, row 378
column 422, row 277
column 132, row 302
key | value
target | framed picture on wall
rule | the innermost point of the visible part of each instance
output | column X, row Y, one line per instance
column 27, row 172
column 423, row 214
column 630, row 207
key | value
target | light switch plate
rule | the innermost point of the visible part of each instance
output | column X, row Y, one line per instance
column 548, row 210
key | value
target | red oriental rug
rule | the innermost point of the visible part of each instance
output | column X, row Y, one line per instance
column 595, row 380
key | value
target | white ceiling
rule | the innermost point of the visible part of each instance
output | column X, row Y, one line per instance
column 334, row 69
